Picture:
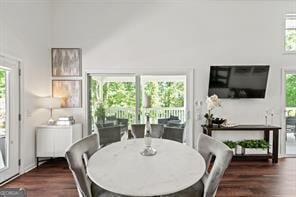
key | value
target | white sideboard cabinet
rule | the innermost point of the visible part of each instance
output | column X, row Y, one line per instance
column 52, row 140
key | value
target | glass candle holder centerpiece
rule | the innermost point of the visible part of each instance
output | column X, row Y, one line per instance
column 148, row 151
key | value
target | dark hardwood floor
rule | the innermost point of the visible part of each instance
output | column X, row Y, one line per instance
column 53, row 179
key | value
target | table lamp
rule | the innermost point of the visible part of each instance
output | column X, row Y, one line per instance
column 50, row 103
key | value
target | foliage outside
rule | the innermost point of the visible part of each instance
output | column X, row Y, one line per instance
column 291, row 90
column 123, row 95
column 2, row 98
column 165, row 94
column 290, row 40
column 100, row 113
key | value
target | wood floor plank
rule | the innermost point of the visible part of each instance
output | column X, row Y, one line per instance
column 241, row 179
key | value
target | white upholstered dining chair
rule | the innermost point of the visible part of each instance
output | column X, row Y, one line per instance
column 77, row 156
column 208, row 185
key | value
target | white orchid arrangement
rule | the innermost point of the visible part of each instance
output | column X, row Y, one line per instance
column 212, row 103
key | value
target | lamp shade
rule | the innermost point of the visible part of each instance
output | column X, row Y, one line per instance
column 50, row 102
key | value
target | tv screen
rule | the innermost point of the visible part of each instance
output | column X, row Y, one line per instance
column 238, row 81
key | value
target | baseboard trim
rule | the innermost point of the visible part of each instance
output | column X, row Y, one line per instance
column 281, row 156
column 10, row 179
column 22, row 171
column 28, row 168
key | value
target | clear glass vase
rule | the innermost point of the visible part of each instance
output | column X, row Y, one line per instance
column 148, row 151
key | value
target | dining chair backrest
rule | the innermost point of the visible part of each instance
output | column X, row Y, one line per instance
column 157, row 130
column 75, row 156
column 175, row 123
column 108, row 124
column 209, row 147
column 123, row 122
column 173, row 133
column 102, row 125
column 108, row 135
column 138, row 130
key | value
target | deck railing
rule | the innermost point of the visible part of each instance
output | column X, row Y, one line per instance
column 155, row 113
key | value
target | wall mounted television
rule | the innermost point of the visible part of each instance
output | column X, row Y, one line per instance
column 238, row 81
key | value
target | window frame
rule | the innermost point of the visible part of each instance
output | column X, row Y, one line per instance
column 287, row 16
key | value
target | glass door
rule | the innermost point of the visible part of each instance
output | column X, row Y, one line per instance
column 290, row 115
column 123, row 99
column 167, row 97
column 9, row 118
column 112, row 100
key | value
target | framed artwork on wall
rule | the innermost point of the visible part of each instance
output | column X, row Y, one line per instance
column 70, row 92
column 66, row 62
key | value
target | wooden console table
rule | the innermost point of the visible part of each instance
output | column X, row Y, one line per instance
column 250, row 128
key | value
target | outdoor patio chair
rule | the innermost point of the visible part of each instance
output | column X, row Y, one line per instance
column 123, row 123
column 291, row 125
column 175, row 123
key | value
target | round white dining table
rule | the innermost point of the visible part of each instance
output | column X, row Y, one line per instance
column 120, row 168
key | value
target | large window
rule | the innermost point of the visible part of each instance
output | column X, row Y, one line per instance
column 121, row 98
column 290, row 33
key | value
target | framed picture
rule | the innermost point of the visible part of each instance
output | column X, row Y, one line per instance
column 69, row 91
column 66, row 62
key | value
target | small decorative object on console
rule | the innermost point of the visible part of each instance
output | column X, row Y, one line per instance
column 228, row 124
column 218, row 121
column 65, row 121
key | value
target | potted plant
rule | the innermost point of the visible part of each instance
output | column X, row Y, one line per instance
column 253, row 147
column 231, row 145
column 100, row 114
column 212, row 103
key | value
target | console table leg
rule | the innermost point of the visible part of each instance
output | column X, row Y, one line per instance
column 209, row 132
column 275, row 145
column 266, row 137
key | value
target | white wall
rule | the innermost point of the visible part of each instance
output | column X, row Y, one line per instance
column 146, row 34
column 25, row 28
column 181, row 33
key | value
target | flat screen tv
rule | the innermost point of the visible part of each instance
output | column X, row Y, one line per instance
column 238, row 81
